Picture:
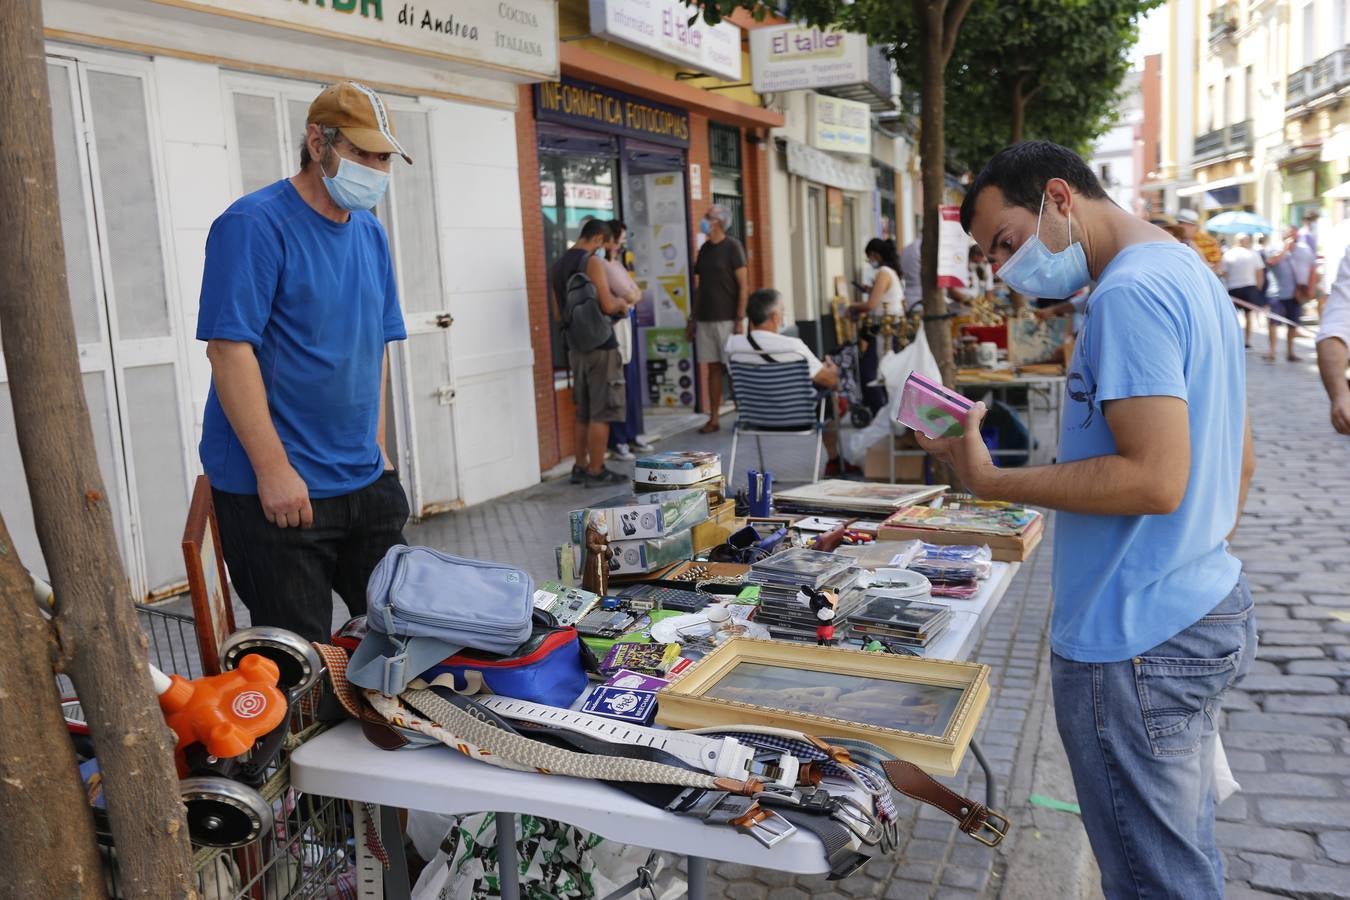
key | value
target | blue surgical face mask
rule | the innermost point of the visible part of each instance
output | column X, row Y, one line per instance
column 356, row 186
column 705, row 227
column 1037, row 272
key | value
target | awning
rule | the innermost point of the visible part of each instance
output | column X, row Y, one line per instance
column 1192, row 190
column 1336, row 147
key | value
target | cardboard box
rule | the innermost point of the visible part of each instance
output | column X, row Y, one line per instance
column 710, row 533
column 634, row 517
column 908, row 469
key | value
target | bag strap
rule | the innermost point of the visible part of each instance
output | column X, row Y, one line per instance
column 373, row 726
column 750, row 336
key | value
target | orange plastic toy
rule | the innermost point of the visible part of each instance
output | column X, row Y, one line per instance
column 226, row 713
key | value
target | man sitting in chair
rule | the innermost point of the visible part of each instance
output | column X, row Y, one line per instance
column 765, row 312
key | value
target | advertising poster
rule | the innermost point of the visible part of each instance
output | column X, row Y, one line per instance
column 660, row 245
column 669, row 375
column 953, row 249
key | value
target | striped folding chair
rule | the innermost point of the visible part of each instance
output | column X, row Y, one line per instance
column 775, row 399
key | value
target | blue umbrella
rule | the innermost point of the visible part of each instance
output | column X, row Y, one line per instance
column 1238, row 223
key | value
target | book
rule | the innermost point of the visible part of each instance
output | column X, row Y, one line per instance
column 1003, row 547
column 835, row 496
column 969, row 516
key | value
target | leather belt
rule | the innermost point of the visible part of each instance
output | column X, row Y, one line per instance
column 975, row 819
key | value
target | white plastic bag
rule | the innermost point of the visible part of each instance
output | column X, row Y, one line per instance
column 892, row 370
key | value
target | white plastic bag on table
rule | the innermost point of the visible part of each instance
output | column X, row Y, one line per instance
column 563, row 861
column 892, row 370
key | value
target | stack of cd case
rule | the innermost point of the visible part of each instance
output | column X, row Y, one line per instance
column 913, row 623
column 781, row 577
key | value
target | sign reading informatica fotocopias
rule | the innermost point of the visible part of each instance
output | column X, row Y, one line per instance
column 661, row 28
column 518, row 36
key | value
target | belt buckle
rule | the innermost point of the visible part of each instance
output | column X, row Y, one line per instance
column 997, row 823
column 859, row 820
column 766, row 826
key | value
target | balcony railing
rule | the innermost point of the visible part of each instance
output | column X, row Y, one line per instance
column 1222, row 23
column 1233, row 140
column 1321, row 79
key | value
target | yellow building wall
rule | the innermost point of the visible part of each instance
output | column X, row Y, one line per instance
column 574, row 26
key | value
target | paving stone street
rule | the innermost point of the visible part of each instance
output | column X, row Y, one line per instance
column 1287, row 730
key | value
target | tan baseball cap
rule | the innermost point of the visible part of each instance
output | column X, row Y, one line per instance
column 359, row 114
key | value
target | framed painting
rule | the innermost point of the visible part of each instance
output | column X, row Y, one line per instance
column 921, row 710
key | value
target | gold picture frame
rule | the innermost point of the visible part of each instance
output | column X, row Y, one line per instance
column 922, row 710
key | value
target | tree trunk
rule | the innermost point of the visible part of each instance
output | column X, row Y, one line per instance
column 44, row 855
column 1019, row 110
column 100, row 643
column 933, row 151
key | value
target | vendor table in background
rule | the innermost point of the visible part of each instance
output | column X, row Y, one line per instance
column 1046, row 388
column 342, row 763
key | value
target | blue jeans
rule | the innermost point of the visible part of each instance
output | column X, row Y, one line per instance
column 1140, row 737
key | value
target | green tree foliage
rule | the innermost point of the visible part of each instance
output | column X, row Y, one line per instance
column 1047, row 69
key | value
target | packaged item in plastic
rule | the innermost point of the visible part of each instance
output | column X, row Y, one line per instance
column 931, row 409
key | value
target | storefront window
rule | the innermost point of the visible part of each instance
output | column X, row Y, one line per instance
column 885, row 201
column 724, row 154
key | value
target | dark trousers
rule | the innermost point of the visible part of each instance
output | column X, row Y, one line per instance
column 286, row 576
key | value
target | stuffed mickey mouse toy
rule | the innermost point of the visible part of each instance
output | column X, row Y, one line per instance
column 824, row 604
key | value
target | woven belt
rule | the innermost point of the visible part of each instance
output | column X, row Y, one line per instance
column 725, row 757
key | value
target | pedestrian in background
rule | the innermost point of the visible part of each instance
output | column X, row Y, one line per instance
column 1333, row 339
column 625, row 436
column 721, row 292
column 1283, row 290
column 1153, row 618
column 1244, row 274
column 598, row 387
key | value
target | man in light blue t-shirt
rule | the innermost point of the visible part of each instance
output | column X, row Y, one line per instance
column 298, row 302
column 1152, row 619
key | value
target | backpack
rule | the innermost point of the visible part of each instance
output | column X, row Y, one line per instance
column 584, row 323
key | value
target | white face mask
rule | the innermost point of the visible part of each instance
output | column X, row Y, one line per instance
column 355, row 186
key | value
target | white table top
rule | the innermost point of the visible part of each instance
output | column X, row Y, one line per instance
column 342, row 763
column 969, row 617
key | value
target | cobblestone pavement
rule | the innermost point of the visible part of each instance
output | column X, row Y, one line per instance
column 1287, row 731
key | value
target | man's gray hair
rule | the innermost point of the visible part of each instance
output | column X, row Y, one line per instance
column 722, row 214
column 329, row 132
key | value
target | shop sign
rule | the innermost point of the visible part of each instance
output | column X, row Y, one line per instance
column 793, row 57
column 953, row 249
column 661, row 28
column 824, row 168
column 517, row 35
column 577, row 195
column 590, row 106
column 841, row 126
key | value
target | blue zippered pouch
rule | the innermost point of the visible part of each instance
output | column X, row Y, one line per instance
column 423, row 606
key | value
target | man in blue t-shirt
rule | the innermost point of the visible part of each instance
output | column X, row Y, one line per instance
column 298, row 302
column 1152, row 619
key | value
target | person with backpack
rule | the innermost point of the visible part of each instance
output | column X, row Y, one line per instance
column 587, row 310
